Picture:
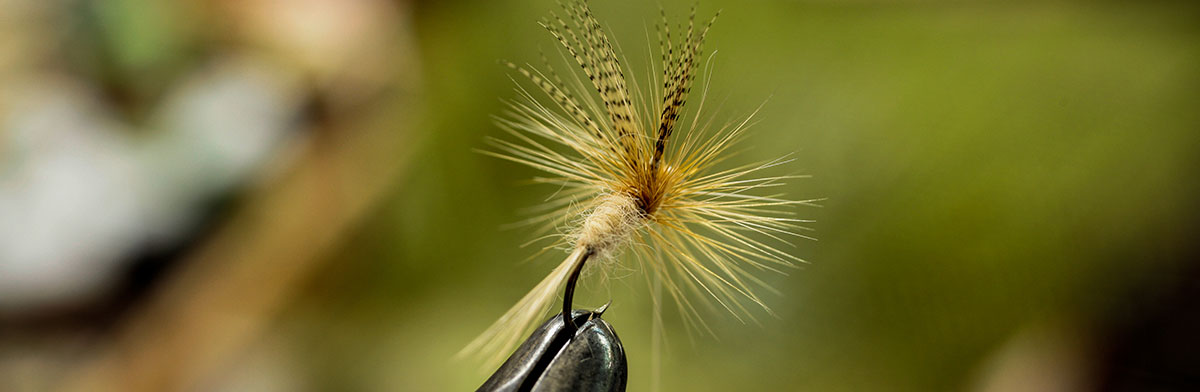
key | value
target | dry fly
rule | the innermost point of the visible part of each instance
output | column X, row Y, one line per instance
column 633, row 177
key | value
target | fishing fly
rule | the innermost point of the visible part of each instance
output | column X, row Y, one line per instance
column 637, row 182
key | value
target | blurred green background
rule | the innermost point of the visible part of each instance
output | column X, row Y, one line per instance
column 986, row 167
column 1004, row 184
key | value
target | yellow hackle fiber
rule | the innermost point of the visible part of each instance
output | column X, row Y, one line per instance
column 701, row 233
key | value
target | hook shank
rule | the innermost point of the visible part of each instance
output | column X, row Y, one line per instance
column 569, row 292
